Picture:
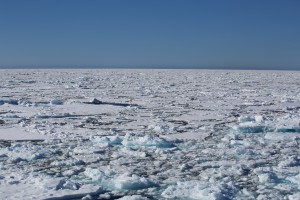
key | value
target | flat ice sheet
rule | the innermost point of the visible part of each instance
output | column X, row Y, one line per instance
column 17, row 134
column 190, row 134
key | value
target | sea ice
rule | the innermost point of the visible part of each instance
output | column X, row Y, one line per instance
column 9, row 101
column 133, row 197
column 200, row 190
column 95, row 174
column 107, row 140
column 292, row 161
column 295, row 196
column 149, row 140
column 55, row 102
column 153, row 134
column 132, row 182
column 295, row 179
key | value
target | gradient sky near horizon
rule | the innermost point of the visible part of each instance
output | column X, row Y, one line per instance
column 242, row 34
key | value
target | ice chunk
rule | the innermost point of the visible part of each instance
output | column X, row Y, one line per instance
column 87, row 197
column 10, row 116
column 55, row 102
column 132, row 182
column 287, row 123
column 72, row 162
column 292, row 161
column 132, row 152
column 265, row 175
column 94, row 174
column 185, row 166
column 95, row 101
column 243, row 151
column 150, row 140
column 246, row 119
column 9, row 101
column 133, row 197
column 17, row 160
column 70, row 185
column 25, row 103
column 294, row 196
column 37, row 156
column 269, row 177
column 257, row 119
column 294, row 179
column 72, row 172
column 251, row 127
column 200, row 190
column 108, row 140
column 161, row 128
column 57, row 183
column 257, row 124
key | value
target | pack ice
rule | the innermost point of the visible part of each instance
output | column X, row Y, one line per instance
column 149, row 134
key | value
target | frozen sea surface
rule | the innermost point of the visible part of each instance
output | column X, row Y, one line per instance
column 149, row 134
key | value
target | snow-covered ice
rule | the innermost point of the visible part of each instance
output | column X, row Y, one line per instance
column 149, row 134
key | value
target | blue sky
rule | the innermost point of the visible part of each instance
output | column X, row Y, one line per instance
column 252, row 34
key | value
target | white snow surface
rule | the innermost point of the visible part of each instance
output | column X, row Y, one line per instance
column 16, row 133
column 199, row 190
column 151, row 134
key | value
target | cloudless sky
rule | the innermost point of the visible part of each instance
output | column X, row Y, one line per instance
column 254, row 34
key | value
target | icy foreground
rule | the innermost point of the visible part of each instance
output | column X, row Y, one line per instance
column 149, row 134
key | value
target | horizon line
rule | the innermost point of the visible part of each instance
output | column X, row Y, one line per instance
column 145, row 67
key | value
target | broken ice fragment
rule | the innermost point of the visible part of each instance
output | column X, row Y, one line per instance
column 150, row 140
column 94, row 174
column 66, row 184
column 10, row 101
column 37, row 156
column 132, row 182
column 95, row 101
column 108, row 140
column 295, row 196
column 55, row 102
column 200, row 190
column 251, row 127
column 292, row 161
column 185, row 166
column 133, row 197
column 294, row 179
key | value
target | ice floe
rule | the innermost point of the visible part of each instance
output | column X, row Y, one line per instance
column 149, row 134
column 200, row 190
column 132, row 182
column 149, row 140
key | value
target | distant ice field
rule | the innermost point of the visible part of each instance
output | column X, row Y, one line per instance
column 149, row 134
